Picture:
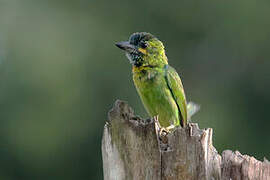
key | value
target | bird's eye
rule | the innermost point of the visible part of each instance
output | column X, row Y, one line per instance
column 143, row 45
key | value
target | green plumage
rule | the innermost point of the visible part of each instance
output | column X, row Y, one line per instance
column 162, row 96
column 158, row 84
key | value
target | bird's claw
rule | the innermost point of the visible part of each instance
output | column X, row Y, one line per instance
column 163, row 132
column 160, row 130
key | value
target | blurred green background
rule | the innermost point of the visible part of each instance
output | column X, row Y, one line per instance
column 60, row 73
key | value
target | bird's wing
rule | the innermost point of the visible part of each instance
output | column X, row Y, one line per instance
column 175, row 85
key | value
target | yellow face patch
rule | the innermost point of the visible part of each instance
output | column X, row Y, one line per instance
column 142, row 50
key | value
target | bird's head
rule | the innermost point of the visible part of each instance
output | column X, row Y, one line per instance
column 144, row 49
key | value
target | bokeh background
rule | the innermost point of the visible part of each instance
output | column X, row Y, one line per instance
column 60, row 73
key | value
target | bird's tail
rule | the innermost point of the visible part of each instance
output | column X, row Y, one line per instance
column 192, row 109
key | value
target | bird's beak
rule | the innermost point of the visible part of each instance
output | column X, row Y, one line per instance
column 126, row 46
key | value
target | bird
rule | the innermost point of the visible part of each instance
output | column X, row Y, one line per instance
column 158, row 84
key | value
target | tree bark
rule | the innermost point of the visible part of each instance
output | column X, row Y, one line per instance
column 133, row 149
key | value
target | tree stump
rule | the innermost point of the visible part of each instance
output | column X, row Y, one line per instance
column 133, row 149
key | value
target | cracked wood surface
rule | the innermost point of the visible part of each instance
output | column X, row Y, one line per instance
column 131, row 149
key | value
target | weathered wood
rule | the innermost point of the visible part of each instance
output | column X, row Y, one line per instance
column 192, row 155
column 237, row 166
column 129, row 146
column 133, row 149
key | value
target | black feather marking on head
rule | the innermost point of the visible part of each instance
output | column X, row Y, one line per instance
column 138, row 37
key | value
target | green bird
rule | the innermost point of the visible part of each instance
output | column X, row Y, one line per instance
column 158, row 84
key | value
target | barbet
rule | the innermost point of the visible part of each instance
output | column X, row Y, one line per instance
column 158, row 84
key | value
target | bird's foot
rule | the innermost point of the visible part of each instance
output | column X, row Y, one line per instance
column 164, row 131
column 171, row 128
column 158, row 126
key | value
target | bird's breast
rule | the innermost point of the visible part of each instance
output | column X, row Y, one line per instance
column 146, row 77
column 156, row 96
column 151, row 86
